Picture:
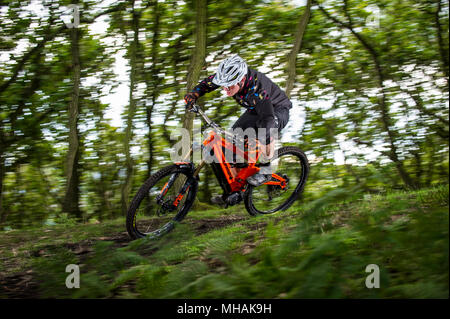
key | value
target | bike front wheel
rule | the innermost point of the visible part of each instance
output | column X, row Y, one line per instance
column 291, row 164
column 164, row 199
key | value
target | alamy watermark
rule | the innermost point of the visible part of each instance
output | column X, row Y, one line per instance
column 73, row 280
column 373, row 20
column 373, row 280
column 72, row 15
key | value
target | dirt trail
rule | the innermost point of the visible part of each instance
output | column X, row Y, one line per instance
column 23, row 285
column 203, row 226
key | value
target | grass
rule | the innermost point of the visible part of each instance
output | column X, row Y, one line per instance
column 317, row 250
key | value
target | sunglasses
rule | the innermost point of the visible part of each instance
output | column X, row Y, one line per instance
column 229, row 88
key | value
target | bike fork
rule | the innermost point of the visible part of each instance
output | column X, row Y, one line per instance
column 184, row 188
column 182, row 192
column 168, row 185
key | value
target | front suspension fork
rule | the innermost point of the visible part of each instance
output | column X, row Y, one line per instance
column 167, row 186
column 181, row 193
column 189, row 181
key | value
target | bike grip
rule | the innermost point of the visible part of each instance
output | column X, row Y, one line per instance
column 193, row 108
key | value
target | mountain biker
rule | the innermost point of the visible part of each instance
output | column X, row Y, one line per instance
column 267, row 105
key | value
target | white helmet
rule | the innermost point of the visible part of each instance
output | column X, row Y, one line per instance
column 230, row 71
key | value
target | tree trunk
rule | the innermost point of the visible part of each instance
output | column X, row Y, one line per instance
column 153, row 84
column 430, row 151
column 206, row 189
column 195, row 67
column 126, row 187
column 292, row 57
column 386, row 122
column 166, row 133
column 71, row 198
column 197, row 58
column 101, row 191
column 2, row 176
column 418, row 167
column 442, row 50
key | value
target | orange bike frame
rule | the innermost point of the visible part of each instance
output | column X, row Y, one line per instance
column 237, row 181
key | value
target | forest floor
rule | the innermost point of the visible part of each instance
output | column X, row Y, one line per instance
column 318, row 250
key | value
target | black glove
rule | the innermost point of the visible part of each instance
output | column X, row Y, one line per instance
column 190, row 99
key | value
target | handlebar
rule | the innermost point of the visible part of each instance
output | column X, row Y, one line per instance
column 195, row 108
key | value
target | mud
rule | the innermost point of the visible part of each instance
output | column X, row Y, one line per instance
column 19, row 286
column 203, row 226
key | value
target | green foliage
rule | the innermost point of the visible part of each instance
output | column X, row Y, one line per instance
column 66, row 220
column 50, row 272
column 408, row 243
column 314, row 250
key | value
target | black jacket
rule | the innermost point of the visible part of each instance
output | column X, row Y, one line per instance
column 257, row 88
column 260, row 96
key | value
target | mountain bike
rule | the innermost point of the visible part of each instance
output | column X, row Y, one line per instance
column 166, row 197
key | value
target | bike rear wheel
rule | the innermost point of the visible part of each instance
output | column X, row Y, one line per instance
column 160, row 202
column 290, row 163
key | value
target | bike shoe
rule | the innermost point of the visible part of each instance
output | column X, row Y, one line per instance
column 258, row 179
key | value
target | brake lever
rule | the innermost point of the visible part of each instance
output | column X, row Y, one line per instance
column 193, row 109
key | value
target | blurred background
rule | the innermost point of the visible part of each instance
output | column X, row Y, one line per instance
column 90, row 92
